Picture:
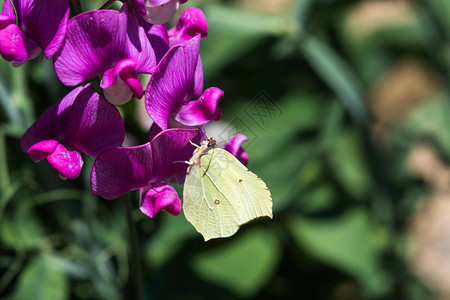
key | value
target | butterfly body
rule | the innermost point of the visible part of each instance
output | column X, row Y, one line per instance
column 220, row 194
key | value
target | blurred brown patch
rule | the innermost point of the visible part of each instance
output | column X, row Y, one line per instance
column 369, row 16
column 406, row 84
column 425, row 162
column 270, row 6
column 431, row 238
column 430, row 227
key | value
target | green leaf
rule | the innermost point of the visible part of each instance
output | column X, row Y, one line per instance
column 243, row 265
column 337, row 74
column 40, row 281
column 344, row 242
column 349, row 165
column 22, row 230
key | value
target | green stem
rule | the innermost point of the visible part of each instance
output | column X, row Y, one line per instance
column 134, row 253
column 4, row 180
column 107, row 4
column 15, row 12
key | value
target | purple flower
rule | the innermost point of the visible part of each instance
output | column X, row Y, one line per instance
column 82, row 121
column 40, row 26
column 157, row 11
column 121, row 170
column 234, row 146
column 156, row 197
column 191, row 23
column 115, row 45
column 171, row 85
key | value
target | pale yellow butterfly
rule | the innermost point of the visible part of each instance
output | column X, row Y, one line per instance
column 220, row 194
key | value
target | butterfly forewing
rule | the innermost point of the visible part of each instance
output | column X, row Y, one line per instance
column 220, row 194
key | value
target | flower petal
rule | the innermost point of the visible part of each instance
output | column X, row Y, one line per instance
column 66, row 162
column 94, row 43
column 234, row 146
column 81, row 120
column 171, row 148
column 159, row 196
column 192, row 23
column 160, row 11
column 171, row 83
column 153, row 131
column 147, row 43
column 201, row 111
column 197, row 88
column 15, row 46
column 44, row 22
column 121, row 82
column 42, row 149
column 120, row 170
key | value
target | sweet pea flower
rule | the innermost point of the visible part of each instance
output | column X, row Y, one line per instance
column 120, row 170
column 234, row 146
column 82, row 121
column 170, row 87
column 192, row 23
column 157, row 11
column 114, row 45
column 39, row 26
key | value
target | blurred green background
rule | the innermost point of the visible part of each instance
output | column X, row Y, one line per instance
column 346, row 105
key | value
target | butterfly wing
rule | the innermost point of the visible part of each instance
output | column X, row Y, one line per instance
column 220, row 194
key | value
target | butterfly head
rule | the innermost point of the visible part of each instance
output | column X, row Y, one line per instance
column 210, row 142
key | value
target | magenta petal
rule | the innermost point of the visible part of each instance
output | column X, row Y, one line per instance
column 42, row 149
column 201, row 111
column 138, row 7
column 198, row 79
column 82, row 120
column 129, row 75
column 15, row 46
column 192, row 23
column 126, row 71
column 108, row 78
column 153, row 131
column 234, row 146
column 94, row 43
column 159, row 196
column 171, row 84
column 120, row 170
column 66, row 162
column 171, row 148
column 44, row 22
column 147, row 43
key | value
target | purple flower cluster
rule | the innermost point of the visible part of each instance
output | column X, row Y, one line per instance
column 115, row 47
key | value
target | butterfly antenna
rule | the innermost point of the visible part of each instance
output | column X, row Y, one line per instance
column 183, row 161
column 194, row 144
column 226, row 141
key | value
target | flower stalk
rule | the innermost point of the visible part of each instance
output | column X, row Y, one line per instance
column 134, row 251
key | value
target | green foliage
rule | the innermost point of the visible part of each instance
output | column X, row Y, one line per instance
column 40, row 281
column 343, row 195
column 243, row 265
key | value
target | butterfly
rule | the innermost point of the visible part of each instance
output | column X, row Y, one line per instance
column 220, row 193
